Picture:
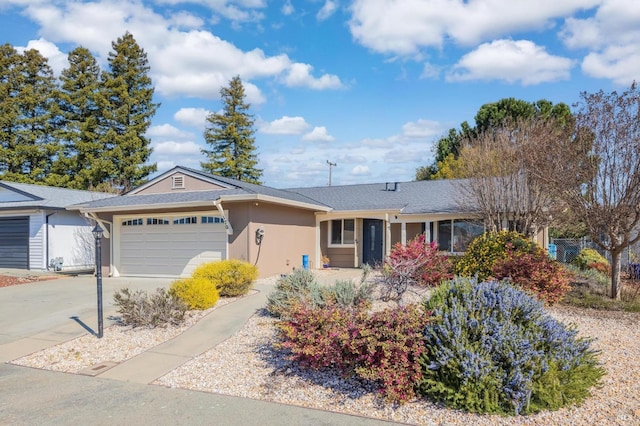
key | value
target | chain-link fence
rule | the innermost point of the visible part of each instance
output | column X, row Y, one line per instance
column 567, row 249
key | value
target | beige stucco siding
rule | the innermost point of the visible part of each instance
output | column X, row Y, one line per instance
column 191, row 183
column 289, row 233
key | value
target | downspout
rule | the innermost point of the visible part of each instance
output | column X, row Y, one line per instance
column 227, row 224
column 46, row 221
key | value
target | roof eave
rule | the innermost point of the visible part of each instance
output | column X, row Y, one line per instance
column 274, row 200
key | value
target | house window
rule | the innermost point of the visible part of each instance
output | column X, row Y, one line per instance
column 132, row 222
column 211, row 219
column 455, row 235
column 342, row 232
column 157, row 221
column 177, row 182
column 185, row 220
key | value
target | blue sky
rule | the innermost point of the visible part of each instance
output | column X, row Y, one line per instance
column 367, row 84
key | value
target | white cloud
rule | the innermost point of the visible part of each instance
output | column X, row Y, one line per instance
column 176, row 148
column 285, row 126
column 612, row 35
column 57, row 60
column 167, row 131
column 360, row 170
column 421, row 129
column 327, row 10
column 299, row 75
column 238, row 11
column 287, row 8
column 194, row 117
column 404, row 27
column 318, row 134
column 189, row 62
column 511, row 61
column 620, row 64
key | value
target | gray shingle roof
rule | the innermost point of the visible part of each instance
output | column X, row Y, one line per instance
column 237, row 188
column 437, row 196
column 47, row 197
column 419, row 197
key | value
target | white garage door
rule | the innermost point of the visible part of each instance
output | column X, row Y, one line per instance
column 170, row 245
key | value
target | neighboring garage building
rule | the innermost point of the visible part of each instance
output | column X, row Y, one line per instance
column 36, row 230
column 185, row 217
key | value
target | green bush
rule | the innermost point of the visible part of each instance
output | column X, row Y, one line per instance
column 493, row 349
column 302, row 287
column 198, row 293
column 485, row 250
column 231, row 277
column 590, row 259
column 142, row 309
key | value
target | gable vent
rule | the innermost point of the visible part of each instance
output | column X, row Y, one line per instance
column 177, row 182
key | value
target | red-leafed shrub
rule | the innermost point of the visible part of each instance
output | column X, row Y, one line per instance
column 384, row 347
column 534, row 271
column 420, row 262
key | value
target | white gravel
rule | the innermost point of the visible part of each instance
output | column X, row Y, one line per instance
column 245, row 365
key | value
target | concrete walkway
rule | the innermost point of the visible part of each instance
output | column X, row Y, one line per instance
column 121, row 395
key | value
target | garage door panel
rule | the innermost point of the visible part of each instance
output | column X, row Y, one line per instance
column 170, row 250
column 14, row 242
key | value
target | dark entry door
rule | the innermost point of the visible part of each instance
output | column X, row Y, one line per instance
column 371, row 241
column 14, row 242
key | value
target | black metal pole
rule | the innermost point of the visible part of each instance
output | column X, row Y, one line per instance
column 99, row 279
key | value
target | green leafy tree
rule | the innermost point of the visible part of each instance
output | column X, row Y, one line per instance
column 129, row 109
column 85, row 164
column 230, row 136
column 491, row 116
column 29, row 116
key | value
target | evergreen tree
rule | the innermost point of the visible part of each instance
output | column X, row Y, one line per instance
column 84, row 164
column 29, row 116
column 128, row 113
column 230, row 136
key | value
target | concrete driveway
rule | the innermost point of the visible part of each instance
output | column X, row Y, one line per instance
column 32, row 309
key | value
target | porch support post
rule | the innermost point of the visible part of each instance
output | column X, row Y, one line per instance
column 317, row 261
column 427, row 232
column 387, row 236
column 403, row 233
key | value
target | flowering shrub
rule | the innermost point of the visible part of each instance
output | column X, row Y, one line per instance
column 493, row 349
column 197, row 293
column 231, row 277
column 486, row 249
column 416, row 263
column 384, row 347
column 534, row 272
column 590, row 259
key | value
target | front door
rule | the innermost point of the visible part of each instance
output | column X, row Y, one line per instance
column 372, row 241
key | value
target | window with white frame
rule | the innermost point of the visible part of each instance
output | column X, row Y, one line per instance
column 342, row 232
column 211, row 219
column 132, row 222
column 190, row 220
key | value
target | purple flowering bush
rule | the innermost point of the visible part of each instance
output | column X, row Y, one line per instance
column 492, row 348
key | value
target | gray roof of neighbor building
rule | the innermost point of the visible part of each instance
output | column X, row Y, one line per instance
column 48, row 197
column 417, row 197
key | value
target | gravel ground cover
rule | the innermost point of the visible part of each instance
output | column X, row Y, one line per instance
column 9, row 280
column 246, row 365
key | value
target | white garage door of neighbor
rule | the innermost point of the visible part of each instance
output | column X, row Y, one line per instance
column 164, row 245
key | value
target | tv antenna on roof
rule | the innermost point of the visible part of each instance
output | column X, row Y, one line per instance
column 330, row 166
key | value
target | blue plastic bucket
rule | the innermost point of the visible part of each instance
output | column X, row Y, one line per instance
column 305, row 261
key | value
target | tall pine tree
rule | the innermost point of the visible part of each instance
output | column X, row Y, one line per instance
column 84, row 164
column 128, row 114
column 29, row 116
column 230, row 136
